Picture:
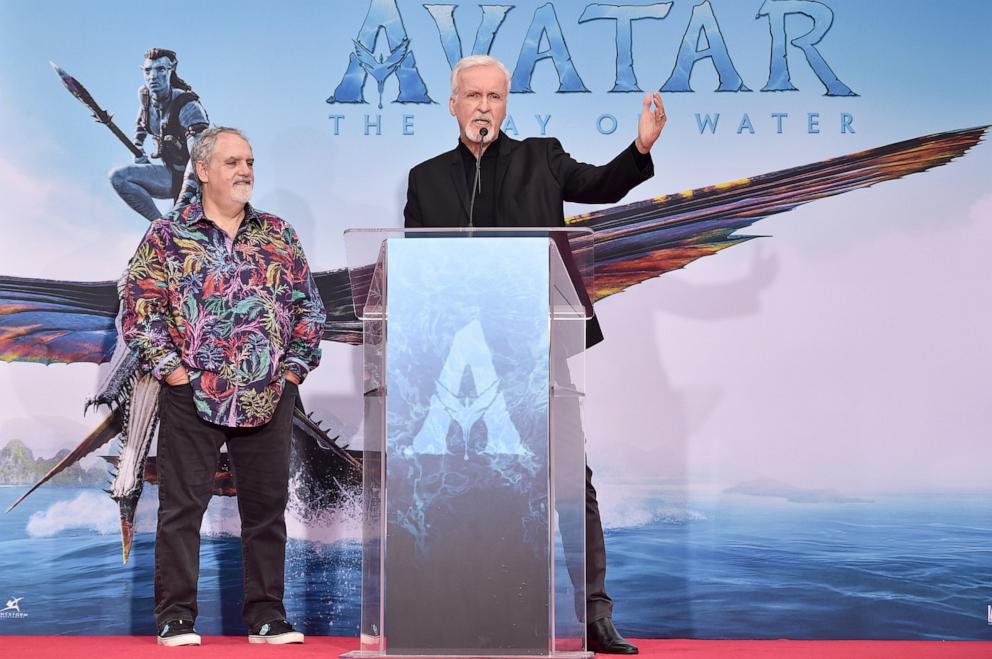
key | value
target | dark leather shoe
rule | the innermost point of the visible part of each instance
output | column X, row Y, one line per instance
column 604, row 638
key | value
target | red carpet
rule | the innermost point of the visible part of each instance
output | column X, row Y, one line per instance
column 324, row 647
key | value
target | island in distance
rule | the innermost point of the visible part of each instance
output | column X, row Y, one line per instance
column 767, row 487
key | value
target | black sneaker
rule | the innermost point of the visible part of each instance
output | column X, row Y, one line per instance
column 178, row 632
column 277, row 632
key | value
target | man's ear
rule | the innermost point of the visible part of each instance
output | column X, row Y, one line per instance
column 451, row 105
column 201, row 171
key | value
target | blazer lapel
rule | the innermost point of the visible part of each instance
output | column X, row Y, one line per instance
column 506, row 147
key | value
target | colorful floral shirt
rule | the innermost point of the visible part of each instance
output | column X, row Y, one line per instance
column 237, row 313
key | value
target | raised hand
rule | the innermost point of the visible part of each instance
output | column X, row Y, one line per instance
column 651, row 123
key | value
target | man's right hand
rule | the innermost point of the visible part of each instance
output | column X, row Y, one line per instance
column 177, row 377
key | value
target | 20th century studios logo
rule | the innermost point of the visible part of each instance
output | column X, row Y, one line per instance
column 383, row 50
column 13, row 609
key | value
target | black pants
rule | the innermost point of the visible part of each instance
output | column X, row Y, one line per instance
column 598, row 603
column 188, row 449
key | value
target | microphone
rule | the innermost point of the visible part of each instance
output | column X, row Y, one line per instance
column 477, row 184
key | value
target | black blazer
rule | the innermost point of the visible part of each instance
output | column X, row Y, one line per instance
column 533, row 178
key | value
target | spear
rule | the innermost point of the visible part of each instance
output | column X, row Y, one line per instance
column 102, row 116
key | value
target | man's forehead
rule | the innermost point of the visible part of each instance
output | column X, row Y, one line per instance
column 233, row 145
column 484, row 75
column 160, row 61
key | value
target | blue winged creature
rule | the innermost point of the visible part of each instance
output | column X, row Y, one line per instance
column 46, row 321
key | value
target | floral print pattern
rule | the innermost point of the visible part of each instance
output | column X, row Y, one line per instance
column 237, row 313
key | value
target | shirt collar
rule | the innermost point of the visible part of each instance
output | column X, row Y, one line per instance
column 194, row 213
column 487, row 155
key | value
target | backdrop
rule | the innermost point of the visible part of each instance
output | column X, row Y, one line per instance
column 790, row 436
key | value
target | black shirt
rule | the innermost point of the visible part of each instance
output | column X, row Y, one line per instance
column 484, row 212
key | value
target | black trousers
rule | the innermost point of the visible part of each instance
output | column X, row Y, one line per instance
column 188, row 449
column 598, row 603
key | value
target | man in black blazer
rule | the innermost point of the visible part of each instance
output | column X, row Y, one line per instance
column 523, row 184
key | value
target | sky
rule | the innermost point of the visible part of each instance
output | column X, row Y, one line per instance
column 847, row 350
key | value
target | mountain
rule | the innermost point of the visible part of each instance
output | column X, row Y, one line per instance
column 18, row 466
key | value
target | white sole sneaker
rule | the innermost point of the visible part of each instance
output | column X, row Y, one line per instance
column 277, row 639
column 182, row 639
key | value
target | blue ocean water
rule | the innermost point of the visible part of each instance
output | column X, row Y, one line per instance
column 74, row 582
column 900, row 567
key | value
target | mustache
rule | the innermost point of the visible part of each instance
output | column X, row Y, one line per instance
column 243, row 179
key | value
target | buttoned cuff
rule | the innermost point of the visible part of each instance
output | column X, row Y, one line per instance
column 298, row 367
column 166, row 366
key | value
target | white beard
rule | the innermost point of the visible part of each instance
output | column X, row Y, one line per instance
column 472, row 132
column 241, row 193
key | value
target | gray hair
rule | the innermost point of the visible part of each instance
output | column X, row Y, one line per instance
column 477, row 60
column 203, row 148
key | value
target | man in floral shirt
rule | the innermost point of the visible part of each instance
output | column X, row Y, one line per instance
column 220, row 305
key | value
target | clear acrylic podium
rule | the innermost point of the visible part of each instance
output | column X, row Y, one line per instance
column 474, row 467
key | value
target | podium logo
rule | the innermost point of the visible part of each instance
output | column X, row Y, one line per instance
column 13, row 609
column 467, row 403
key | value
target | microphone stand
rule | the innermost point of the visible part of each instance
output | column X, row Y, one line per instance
column 477, row 184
